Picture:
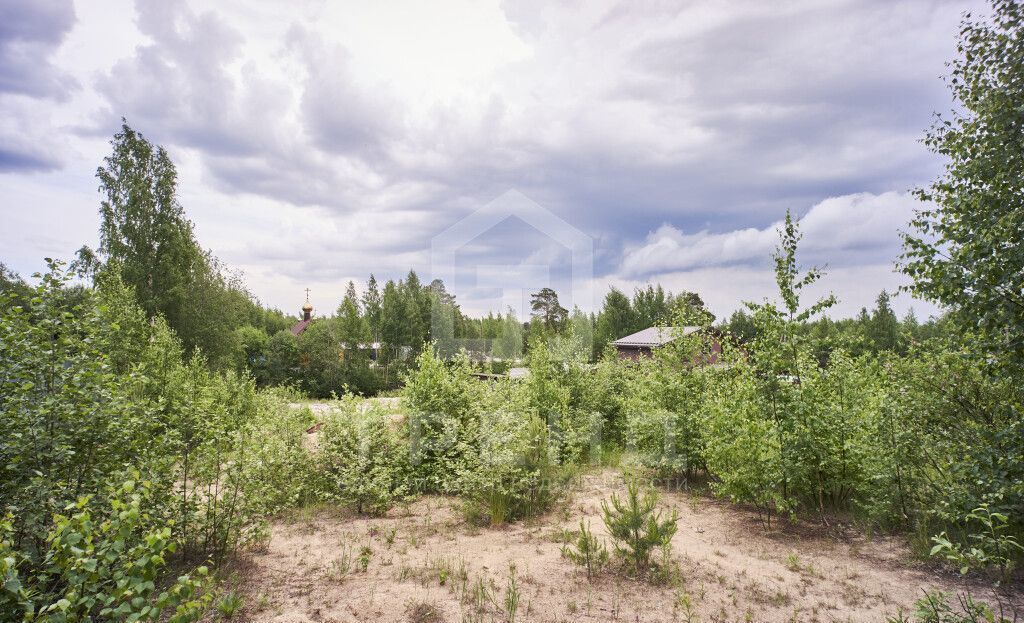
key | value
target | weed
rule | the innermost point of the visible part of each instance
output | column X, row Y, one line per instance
column 684, row 603
column 480, row 596
column 512, row 594
column 365, row 554
column 340, row 567
column 263, row 603
column 405, row 572
column 793, row 562
column 229, row 604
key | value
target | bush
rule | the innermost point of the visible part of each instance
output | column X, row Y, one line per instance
column 103, row 567
column 279, row 471
column 934, row 607
column 744, row 444
column 512, row 473
column 444, row 404
column 554, row 392
column 991, row 546
column 97, row 389
column 666, row 405
column 364, row 459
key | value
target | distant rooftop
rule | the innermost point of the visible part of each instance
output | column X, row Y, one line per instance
column 653, row 336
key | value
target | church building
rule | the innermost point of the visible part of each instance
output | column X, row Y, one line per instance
column 307, row 317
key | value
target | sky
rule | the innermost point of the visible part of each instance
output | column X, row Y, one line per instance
column 318, row 141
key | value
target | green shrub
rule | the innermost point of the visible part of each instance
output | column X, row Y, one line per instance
column 744, row 444
column 666, row 406
column 364, row 459
column 444, row 404
column 279, row 471
column 934, row 607
column 991, row 545
column 229, row 604
column 104, row 567
column 512, row 473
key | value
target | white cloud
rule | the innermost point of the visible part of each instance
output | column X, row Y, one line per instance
column 852, row 229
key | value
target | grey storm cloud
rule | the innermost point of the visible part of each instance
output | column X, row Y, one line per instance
column 29, row 34
column 656, row 128
column 178, row 90
column 14, row 160
column 786, row 123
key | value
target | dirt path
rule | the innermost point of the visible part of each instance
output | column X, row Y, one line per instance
column 426, row 561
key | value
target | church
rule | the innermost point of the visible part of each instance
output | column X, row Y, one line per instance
column 307, row 317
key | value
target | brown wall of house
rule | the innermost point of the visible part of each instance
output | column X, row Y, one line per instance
column 633, row 353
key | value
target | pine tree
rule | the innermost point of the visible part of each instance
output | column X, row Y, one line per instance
column 636, row 527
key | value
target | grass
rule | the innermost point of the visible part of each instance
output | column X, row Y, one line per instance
column 229, row 605
column 793, row 562
column 512, row 594
column 342, row 566
column 684, row 605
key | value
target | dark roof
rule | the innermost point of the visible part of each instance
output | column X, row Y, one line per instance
column 651, row 337
column 300, row 326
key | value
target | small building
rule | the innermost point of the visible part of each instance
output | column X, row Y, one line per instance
column 643, row 343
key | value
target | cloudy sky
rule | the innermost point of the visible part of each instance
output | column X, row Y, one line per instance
column 320, row 141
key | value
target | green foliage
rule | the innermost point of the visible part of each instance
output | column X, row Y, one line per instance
column 363, row 459
column 91, row 391
column 229, row 604
column 509, row 339
column 964, row 252
column 934, row 607
column 103, row 567
column 512, row 473
column 444, row 404
column 636, row 527
column 278, row 472
column 992, row 546
column 547, row 309
column 616, row 319
column 512, row 594
column 147, row 240
column 490, row 443
column 667, row 405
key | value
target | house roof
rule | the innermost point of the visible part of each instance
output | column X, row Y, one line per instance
column 652, row 336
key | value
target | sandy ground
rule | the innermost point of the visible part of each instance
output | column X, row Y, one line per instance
column 425, row 564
